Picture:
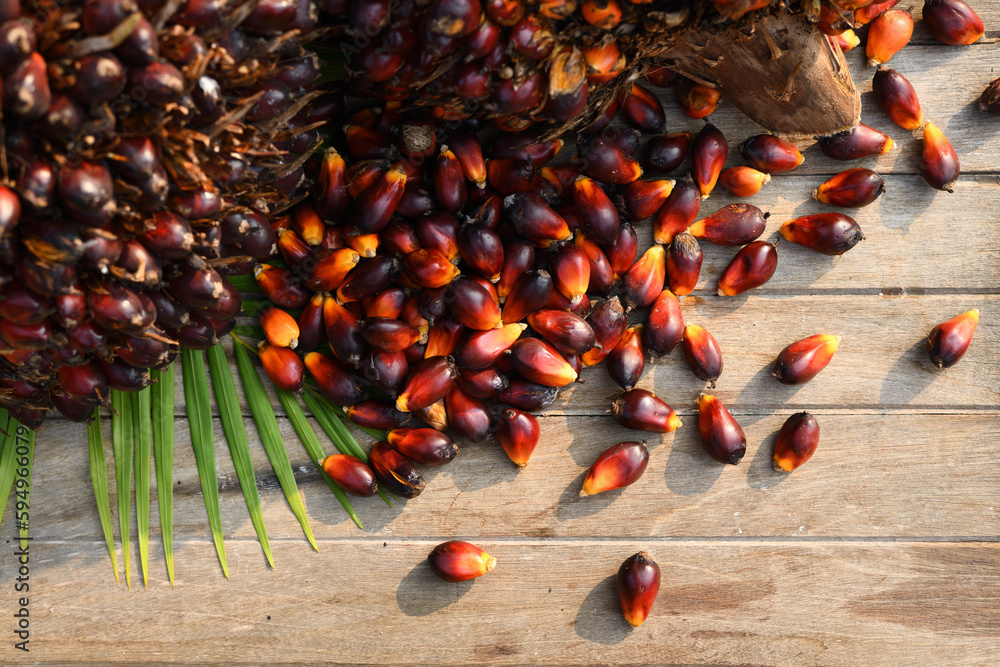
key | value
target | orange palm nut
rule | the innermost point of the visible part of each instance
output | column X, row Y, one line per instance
column 283, row 367
column 609, row 324
column 710, row 151
column 948, row 341
column 387, row 303
column 897, row 98
column 642, row 198
column 720, row 433
column 443, row 337
column 541, row 363
column 803, row 360
column 280, row 328
column 604, row 62
column 429, row 268
column 308, row 224
column 570, row 270
column 280, row 286
column 329, row 273
column 428, row 382
column 351, row 474
column 364, row 244
column 752, row 266
column 797, row 441
column 645, row 280
column 732, row 225
column 664, row 325
column 826, row 233
column 637, row 583
column 888, row 33
column 865, row 15
column 939, row 161
column 480, row 349
column 853, row 188
column 678, row 212
column 433, row 415
column 768, row 153
column 518, row 433
column 846, row 40
column 953, row 22
column 394, row 472
column 603, row 14
column 457, row 561
column 616, row 467
column 743, row 181
column 696, row 100
column 642, row 410
column 473, row 305
column 703, row 354
column 425, row 446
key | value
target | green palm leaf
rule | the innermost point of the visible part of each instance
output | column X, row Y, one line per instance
column 142, row 432
column 199, row 410
column 121, row 439
column 236, row 436
column 312, row 447
column 267, row 428
column 99, row 480
column 7, row 466
column 162, row 414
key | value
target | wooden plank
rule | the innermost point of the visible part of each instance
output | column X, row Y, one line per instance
column 878, row 475
column 547, row 602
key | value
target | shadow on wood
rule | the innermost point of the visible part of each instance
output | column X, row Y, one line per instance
column 421, row 593
column 600, row 618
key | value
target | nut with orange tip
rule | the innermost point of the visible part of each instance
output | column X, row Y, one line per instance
column 643, row 199
column 703, row 354
column 480, row 349
column 429, row 268
column 602, row 276
column 768, row 153
column 394, row 472
column 616, row 467
column 598, row 216
column 697, row 100
column 280, row 328
column 281, row 287
column 376, row 204
column 485, row 383
column 642, row 110
column 343, row 331
column 887, row 35
column 570, row 270
column 365, row 245
column 637, row 583
column 825, row 233
column 752, row 266
column 743, row 181
column 604, row 61
column 857, row 143
column 335, row 381
column 308, row 224
column 948, row 342
column 678, row 212
column 953, row 22
column 846, row 40
column 433, row 415
column 388, row 334
column 710, row 151
column 312, row 330
column 332, row 200
column 377, row 414
column 897, row 98
column 329, row 272
column 609, row 323
column 530, row 292
column 457, row 561
column 642, row 410
column 449, row 181
column 938, row 160
column 518, row 433
column 387, row 303
column 283, row 367
column 363, row 174
column 429, row 381
column 664, row 327
column 797, row 441
column 539, row 362
column 731, row 225
column 867, row 14
column 443, row 337
column 853, row 188
column 510, row 175
column 622, row 253
column 412, row 315
column 604, row 160
column 438, row 230
column 369, row 276
column 467, row 415
column 293, row 249
column 535, row 220
column 473, row 305
column 424, row 446
column 518, row 259
column 803, row 360
column 720, row 433
column 566, row 331
column 351, row 474
column 627, row 361
column 645, row 279
column 604, row 14
column 684, row 258
column 481, row 249
column 469, row 152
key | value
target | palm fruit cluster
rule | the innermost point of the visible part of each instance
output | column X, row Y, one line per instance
column 143, row 145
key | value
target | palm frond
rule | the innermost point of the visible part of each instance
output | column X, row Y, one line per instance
column 162, row 416
column 7, row 465
column 199, row 411
column 239, row 446
column 121, row 440
column 142, row 436
column 99, row 480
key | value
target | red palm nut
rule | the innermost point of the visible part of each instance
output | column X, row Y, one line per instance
column 280, row 328
column 627, row 361
column 278, row 285
column 469, row 152
column 854, row 188
column 376, row 204
column 857, row 143
column 702, row 353
column 429, row 381
column 948, row 341
column 598, row 216
column 385, row 370
column 939, row 162
column 518, row 258
column 570, row 270
column 343, row 330
column 721, row 435
column 377, row 414
column 826, row 233
column 535, row 220
column 666, row 152
column 678, row 212
column 645, row 279
column 602, row 276
column 642, row 410
column 696, row 100
column 424, row 446
column 752, row 266
column 637, row 583
column 438, row 230
column 888, row 33
column 621, row 255
column 332, row 198
column 472, row 305
column 389, row 334
column 86, row 383
column 539, row 362
column 642, row 110
column 467, row 415
column 296, row 252
column 616, row 467
column 602, row 159
column 567, row 332
column 768, row 153
column 526, row 395
column 312, row 330
column 350, row 474
column 710, row 151
column 457, row 561
column 743, row 181
column 480, row 349
column 664, row 327
column 684, row 258
column 429, row 268
column 609, row 324
column 953, row 22
column 643, row 199
column 803, row 360
column 449, row 181
column 394, row 472
column 732, row 225
column 865, row 15
column 485, row 383
column 482, row 250
column 897, row 98
column 443, row 337
column 797, row 441
column 518, row 433
column 170, row 235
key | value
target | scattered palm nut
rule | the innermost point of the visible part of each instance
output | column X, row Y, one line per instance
column 702, row 353
column 854, row 188
column 803, row 360
column 721, row 435
column 797, row 441
column 642, row 410
column 938, row 161
column 457, row 561
column 518, row 433
column 638, row 583
column 752, row 266
column 826, row 233
column 616, row 467
column 948, row 341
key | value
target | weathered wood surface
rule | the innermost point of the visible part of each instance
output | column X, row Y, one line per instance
column 881, row 550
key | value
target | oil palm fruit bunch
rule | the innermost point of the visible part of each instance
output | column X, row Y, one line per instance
column 144, row 144
column 567, row 62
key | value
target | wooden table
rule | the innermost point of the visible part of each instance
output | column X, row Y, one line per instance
column 881, row 550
